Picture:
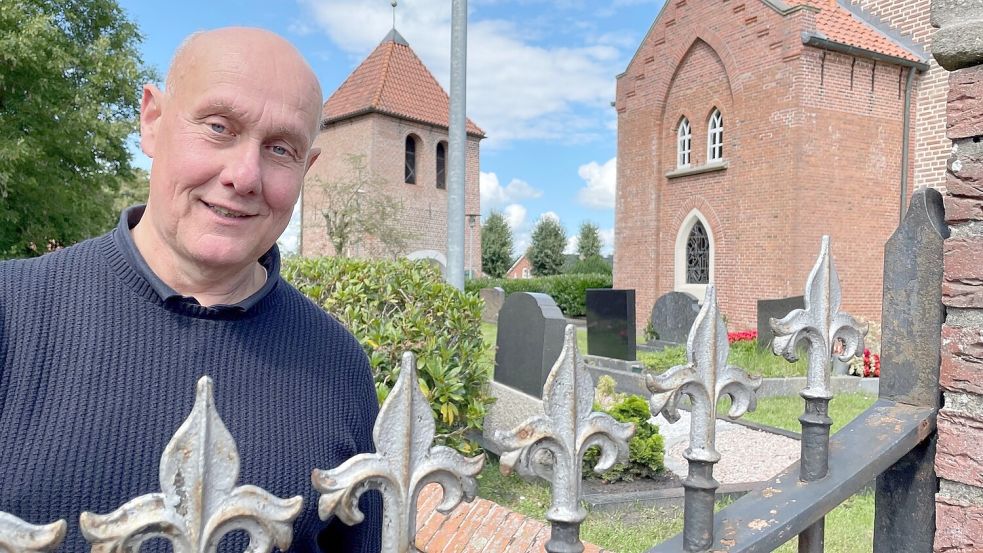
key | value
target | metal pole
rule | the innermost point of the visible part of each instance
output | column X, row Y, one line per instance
column 457, row 144
column 699, row 490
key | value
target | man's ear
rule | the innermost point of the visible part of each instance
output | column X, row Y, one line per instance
column 150, row 112
column 311, row 158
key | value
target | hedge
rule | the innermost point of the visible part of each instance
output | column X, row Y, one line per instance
column 397, row 306
column 568, row 291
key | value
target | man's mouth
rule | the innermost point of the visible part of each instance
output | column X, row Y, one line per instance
column 231, row 213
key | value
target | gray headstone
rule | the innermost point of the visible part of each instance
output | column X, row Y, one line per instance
column 673, row 316
column 611, row 323
column 775, row 309
column 493, row 298
column 530, row 337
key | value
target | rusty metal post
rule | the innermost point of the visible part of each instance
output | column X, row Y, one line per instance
column 403, row 464
column 912, row 318
column 828, row 333
column 705, row 378
column 564, row 433
column 199, row 502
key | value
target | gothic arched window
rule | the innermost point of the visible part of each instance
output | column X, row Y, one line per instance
column 715, row 136
column 441, row 165
column 684, row 141
column 410, row 172
column 698, row 256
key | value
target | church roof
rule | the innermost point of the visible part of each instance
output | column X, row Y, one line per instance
column 393, row 81
column 842, row 23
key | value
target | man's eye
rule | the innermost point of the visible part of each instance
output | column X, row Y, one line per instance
column 218, row 128
column 279, row 150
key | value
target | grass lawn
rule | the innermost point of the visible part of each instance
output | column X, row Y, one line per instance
column 849, row 527
column 784, row 412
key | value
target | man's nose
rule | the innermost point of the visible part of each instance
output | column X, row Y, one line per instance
column 243, row 171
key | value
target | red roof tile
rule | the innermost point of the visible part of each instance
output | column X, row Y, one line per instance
column 840, row 26
column 393, row 80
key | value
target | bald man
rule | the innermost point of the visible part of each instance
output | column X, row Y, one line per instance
column 101, row 343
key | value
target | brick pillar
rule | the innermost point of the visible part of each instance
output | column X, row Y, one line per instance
column 959, row 458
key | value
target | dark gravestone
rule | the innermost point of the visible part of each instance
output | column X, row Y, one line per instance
column 530, row 336
column 611, row 323
column 672, row 317
column 774, row 309
column 911, row 321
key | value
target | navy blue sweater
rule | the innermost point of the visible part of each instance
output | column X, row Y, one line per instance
column 97, row 372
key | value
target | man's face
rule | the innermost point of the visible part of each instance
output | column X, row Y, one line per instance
column 230, row 147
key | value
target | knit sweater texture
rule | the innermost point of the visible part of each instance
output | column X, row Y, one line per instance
column 97, row 373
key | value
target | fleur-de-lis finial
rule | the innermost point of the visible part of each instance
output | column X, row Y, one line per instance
column 403, row 464
column 199, row 502
column 821, row 324
column 705, row 378
column 17, row 536
column 566, row 431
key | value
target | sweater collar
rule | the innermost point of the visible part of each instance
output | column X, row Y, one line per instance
column 124, row 241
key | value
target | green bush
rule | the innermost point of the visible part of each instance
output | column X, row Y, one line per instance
column 646, row 451
column 397, row 306
column 568, row 291
column 592, row 265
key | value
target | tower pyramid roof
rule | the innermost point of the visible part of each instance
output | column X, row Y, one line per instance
column 392, row 81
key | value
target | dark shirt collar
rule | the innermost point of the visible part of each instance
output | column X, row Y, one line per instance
column 129, row 219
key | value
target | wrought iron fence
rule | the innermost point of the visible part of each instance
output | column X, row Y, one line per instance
column 199, row 501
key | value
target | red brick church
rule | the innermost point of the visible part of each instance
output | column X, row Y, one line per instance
column 749, row 128
column 392, row 111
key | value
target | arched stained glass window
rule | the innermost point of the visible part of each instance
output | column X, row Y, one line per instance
column 715, row 136
column 410, row 173
column 698, row 256
column 684, row 141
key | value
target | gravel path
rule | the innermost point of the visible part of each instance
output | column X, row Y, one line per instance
column 746, row 455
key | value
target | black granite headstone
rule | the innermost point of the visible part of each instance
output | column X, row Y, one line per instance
column 777, row 309
column 611, row 323
column 530, row 337
column 673, row 316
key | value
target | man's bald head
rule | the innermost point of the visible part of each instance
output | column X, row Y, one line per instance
column 231, row 46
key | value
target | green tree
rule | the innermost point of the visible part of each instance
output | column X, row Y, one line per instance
column 496, row 245
column 546, row 250
column 588, row 241
column 357, row 208
column 133, row 191
column 69, row 99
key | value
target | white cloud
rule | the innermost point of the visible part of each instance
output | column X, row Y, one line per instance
column 572, row 244
column 600, row 179
column 607, row 241
column 494, row 195
column 289, row 241
column 516, row 89
column 515, row 217
column 549, row 215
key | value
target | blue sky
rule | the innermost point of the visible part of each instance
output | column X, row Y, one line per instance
column 541, row 77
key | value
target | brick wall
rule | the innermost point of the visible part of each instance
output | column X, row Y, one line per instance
column 382, row 140
column 912, row 19
column 813, row 146
column 959, row 458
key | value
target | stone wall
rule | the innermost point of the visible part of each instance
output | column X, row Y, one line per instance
column 959, row 459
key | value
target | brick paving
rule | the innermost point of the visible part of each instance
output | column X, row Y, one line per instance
column 479, row 526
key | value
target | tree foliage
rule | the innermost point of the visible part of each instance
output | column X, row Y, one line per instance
column 132, row 191
column 69, row 99
column 588, row 241
column 546, row 250
column 357, row 208
column 496, row 246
